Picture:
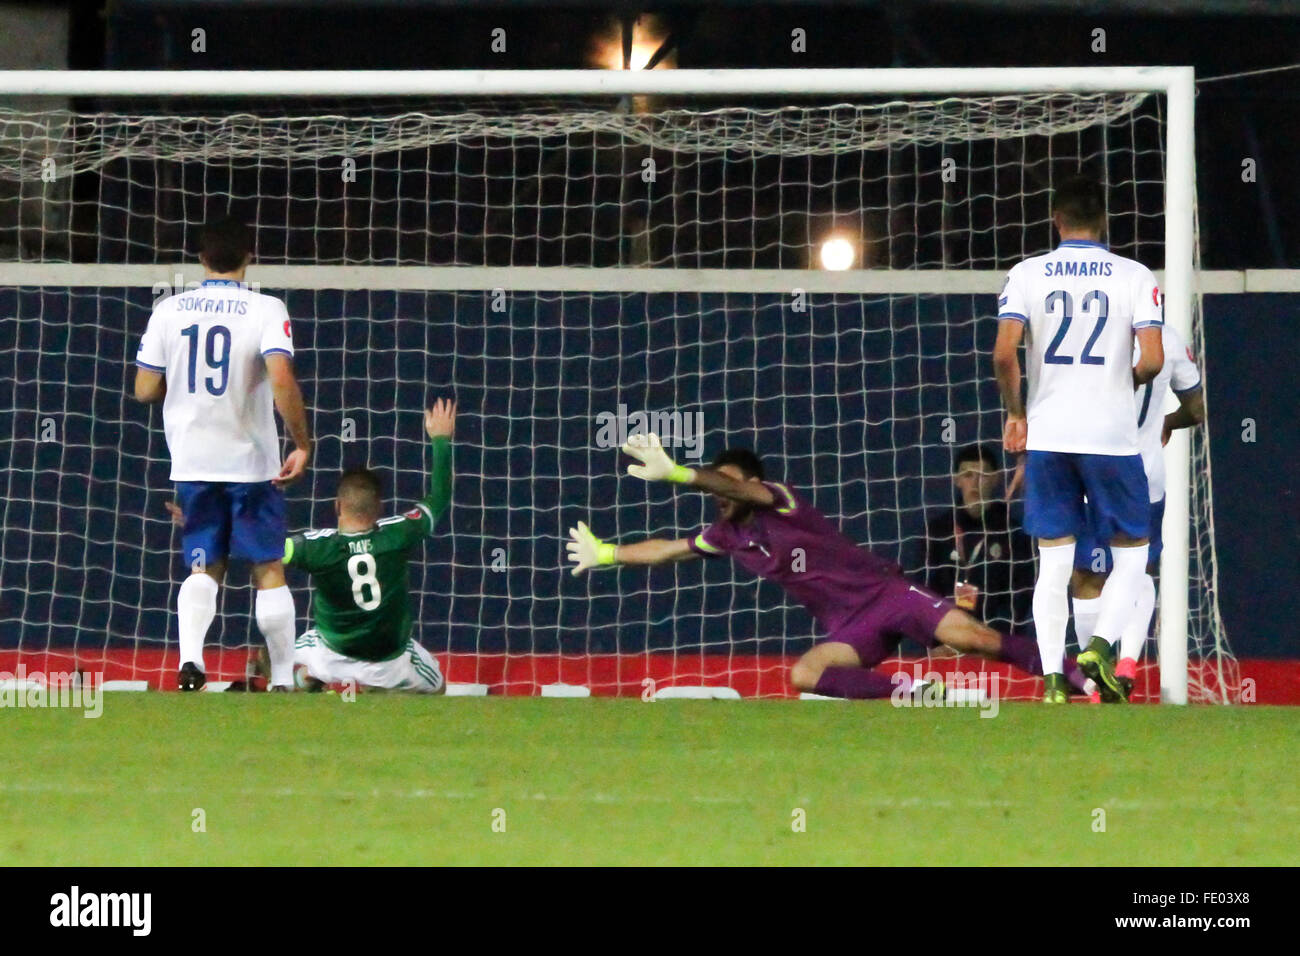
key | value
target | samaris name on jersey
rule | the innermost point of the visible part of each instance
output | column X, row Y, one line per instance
column 1087, row 267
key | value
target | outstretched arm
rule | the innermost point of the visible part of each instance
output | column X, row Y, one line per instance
column 588, row 551
column 655, row 465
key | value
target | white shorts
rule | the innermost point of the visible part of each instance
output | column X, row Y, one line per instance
column 415, row 669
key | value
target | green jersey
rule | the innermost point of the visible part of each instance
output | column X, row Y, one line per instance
column 361, row 603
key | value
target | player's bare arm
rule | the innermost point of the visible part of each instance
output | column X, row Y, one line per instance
column 150, row 386
column 655, row 465
column 1190, row 412
column 1006, row 366
column 1152, row 358
column 289, row 403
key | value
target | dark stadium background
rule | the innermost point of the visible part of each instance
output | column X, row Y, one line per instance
column 1251, row 371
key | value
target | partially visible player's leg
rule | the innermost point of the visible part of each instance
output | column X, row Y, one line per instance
column 1091, row 565
column 317, row 660
column 1137, row 628
column 835, row 669
column 1117, row 490
column 969, row 635
column 415, row 670
column 1054, row 516
column 205, row 543
column 258, row 527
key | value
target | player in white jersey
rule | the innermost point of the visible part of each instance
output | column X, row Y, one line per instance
column 219, row 358
column 1079, row 308
column 1091, row 556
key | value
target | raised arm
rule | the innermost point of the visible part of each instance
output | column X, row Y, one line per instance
column 655, row 465
column 588, row 551
column 288, row 401
column 440, row 426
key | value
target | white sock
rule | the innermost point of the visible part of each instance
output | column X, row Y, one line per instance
column 1135, row 630
column 196, row 606
column 1119, row 595
column 276, row 619
column 1085, row 619
column 1051, row 606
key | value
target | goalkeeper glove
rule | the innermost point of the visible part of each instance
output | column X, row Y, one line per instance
column 655, row 463
column 588, row 551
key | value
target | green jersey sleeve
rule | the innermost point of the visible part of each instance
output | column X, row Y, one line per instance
column 420, row 521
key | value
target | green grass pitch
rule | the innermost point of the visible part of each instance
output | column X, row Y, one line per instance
column 308, row 779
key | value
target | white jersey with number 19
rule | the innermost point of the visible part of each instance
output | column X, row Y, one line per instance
column 1081, row 304
column 218, row 414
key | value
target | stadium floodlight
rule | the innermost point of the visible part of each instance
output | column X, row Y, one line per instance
column 647, row 36
column 480, row 239
column 837, row 254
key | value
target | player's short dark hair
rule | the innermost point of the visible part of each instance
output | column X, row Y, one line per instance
column 360, row 491
column 750, row 465
column 225, row 244
column 984, row 452
column 1081, row 202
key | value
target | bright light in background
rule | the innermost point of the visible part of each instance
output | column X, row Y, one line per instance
column 647, row 36
column 837, row 254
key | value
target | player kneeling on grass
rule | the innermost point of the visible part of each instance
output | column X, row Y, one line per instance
column 361, row 633
column 862, row 601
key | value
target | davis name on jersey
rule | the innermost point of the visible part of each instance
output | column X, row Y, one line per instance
column 1180, row 374
column 1081, row 304
column 211, row 344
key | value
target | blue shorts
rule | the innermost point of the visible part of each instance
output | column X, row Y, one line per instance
column 231, row 519
column 1056, row 483
column 1090, row 554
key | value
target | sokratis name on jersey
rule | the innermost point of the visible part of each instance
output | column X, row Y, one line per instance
column 212, row 306
column 1076, row 267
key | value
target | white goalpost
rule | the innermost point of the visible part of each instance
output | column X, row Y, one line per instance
column 560, row 245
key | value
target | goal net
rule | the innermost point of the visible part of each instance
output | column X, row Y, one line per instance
column 572, row 269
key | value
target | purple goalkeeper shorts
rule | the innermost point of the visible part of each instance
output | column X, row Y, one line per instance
column 900, row 610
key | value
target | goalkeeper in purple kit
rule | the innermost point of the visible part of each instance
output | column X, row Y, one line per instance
column 863, row 602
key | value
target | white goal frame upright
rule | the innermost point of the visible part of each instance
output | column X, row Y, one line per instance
column 1175, row 83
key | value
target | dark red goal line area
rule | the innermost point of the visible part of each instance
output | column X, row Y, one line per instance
column 1273, row 681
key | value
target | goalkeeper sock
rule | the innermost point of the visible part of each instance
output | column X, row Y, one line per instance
column 1138, row 625
column 1086, row 611
column 1051, row 607
column 1120, row 594
column 196, row 606
column 854, row 683
column 1020, row 652
column 276, row 617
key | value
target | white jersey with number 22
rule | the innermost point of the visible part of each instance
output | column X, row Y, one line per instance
column 1081, row 304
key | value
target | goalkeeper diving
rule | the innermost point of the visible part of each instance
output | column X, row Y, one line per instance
column 861, row 601
column 361, row 627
